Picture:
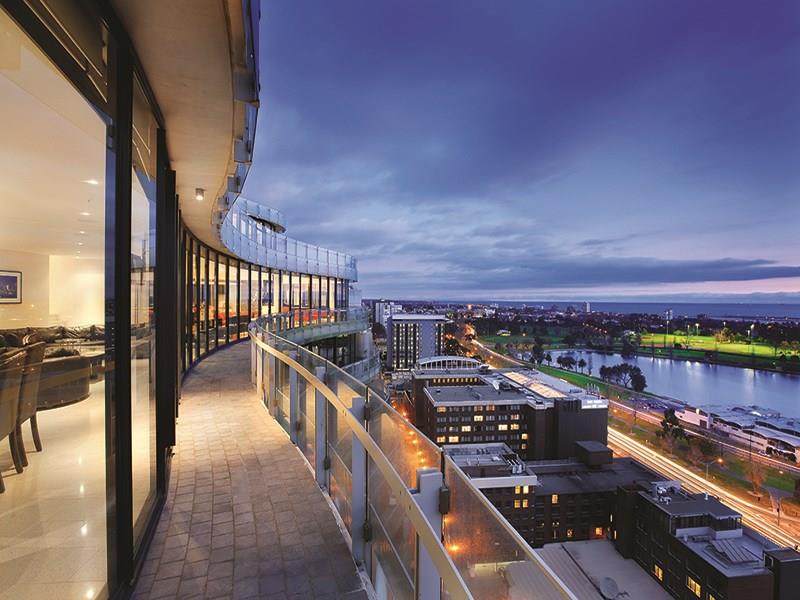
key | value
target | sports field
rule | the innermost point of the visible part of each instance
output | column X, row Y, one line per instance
column 707, row 342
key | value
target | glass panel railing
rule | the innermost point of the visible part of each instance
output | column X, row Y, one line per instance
column 247, row 241
column 494, row 561
column 395, row 534
column 480, row 555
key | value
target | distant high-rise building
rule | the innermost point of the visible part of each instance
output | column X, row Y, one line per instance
column 384, row 310
column 411, row 337
column 587, row 307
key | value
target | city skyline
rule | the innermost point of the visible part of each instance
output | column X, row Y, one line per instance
column 633, row 149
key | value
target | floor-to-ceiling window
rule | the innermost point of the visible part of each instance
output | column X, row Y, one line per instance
column 244, row 299
column 255, row 286
column 143, row 327
column 213, row 300
column 54, row 495
column 222, row 300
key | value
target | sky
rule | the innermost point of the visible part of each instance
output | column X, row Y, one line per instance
column 538, row 150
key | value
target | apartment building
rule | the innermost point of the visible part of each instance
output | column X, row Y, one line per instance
column 412, row 337
column 538, row 416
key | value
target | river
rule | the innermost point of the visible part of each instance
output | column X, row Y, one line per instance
column 708, row 386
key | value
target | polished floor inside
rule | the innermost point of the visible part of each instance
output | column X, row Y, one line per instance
column 53, row 514
column 244, row 517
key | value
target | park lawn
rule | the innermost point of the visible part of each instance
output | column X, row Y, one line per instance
column 707, row 342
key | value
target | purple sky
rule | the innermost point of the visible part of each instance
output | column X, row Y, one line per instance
column 519, row 150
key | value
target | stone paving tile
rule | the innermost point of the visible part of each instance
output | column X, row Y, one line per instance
column 244, row 517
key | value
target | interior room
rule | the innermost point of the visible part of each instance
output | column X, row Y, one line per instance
column 52, row 342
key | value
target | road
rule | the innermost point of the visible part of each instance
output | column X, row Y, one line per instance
column 762, row 520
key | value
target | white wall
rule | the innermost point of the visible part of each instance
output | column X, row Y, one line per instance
column 77, row 291
column 33, row 311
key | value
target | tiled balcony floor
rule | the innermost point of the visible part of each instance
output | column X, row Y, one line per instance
column 244, row 517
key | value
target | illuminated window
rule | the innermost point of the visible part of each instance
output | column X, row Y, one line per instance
column 693, row 585
column 516, row 504
column 615, row 534
column 524, row 446
column 524, row 436
column 466, row 428
column 515, row 426
column 712, row 597
column 610, row 518
column 515, row 417
column 477, row 418
column 453, row 439
column 525, row 489
column 658, row 572
column 502, row 428
column 517, row 489
column 569, row 533
column 598, row 531
column 554, row 499
column 441, row 409
column 440, row 439
column 524, row 503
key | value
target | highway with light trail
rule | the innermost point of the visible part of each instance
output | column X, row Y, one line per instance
column 762, row 520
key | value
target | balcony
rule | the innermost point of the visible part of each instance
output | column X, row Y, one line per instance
column 415, row 524
column 305, row 326
column 257, row 240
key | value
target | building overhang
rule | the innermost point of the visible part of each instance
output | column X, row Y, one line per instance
column 200, row 59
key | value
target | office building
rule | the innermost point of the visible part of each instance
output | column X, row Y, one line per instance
column 537, row 415
column 696, row 547
column 412, row 337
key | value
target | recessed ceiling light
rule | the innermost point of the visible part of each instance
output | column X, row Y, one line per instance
column 91, row 181
column 85, row 214
column 199, row 194
column 82, row 232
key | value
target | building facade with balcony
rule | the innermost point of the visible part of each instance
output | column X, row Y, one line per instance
column 126, row 256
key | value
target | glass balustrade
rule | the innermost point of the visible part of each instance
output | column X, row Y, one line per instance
column 245, row 232
column 372, row 468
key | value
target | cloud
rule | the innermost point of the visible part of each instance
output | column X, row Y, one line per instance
column 457, row 145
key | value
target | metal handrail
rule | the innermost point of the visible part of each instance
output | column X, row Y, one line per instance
column 392, row 477
column 441, row 559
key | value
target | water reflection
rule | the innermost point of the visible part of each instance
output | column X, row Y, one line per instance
column 705, row 385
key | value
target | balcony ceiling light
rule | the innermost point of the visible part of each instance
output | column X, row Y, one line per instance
column 199, row 194
column 91, row 181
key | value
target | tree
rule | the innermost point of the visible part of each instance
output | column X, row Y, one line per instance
column 548, row 358
column 755, row 474
column 701, row 449
column 567, row 362
column 671, row 430
column 581, row 364
column 638, row 380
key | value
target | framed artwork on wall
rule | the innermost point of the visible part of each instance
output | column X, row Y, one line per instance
column 10, row 287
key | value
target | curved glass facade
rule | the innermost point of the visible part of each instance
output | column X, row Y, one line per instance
column 223, row 293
